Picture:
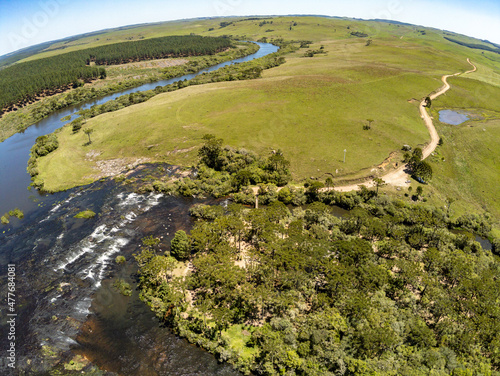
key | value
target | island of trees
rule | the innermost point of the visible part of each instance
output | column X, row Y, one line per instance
column 391, row 288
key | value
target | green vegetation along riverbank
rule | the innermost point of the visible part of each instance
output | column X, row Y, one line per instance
column 386, row 290
column 23, row 83
column 68, row 175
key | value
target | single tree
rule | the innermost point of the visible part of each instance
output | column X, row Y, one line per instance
column 329, row 182
column 242, row 178
column 85, row 114
column 418, row 153
column 428, row 102
column 88, row 132
column 210, row 152
column 420, row 190
column 423, row 170
column 179, row 246
column 378, row 183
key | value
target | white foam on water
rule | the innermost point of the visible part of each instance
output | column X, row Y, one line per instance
column 98, row 235
column 75, row 256
column 83, row 306
column 55, row 298
column 89, row 272
column 130, row 216
column 55, row 208
column 131, row 199
column 103, row 259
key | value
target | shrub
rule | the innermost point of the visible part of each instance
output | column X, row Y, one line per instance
column 123, row 287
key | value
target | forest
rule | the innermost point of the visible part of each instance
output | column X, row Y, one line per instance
column 392, row 287
column 25, row 82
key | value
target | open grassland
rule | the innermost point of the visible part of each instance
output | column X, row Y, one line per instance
column 314, row 108
column 119, row 78
column 316, row 29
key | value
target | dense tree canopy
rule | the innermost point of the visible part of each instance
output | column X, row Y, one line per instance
column 386, row 290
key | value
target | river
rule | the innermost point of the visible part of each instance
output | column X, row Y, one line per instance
column 64, row 268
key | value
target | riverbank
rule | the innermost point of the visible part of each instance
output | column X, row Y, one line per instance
column 14, row 152
column 121, row 77
column 70, row 317
column 63, row 169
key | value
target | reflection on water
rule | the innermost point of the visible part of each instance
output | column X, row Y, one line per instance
column 452, row 117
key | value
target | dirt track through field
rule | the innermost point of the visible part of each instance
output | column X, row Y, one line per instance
column 399, row 177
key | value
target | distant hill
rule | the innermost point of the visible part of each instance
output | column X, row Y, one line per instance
column 24, row 53
column 476, row 46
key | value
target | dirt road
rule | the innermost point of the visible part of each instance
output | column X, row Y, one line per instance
column 399, row 177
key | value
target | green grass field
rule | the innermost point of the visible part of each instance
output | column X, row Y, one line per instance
column 467, row 166
column 314, row 108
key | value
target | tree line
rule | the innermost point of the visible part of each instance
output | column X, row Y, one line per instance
column 23, row 83
column 476, row 46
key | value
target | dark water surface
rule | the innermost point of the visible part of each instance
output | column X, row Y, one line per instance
column 65, row 302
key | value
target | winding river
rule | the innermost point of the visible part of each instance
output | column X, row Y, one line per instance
column 14, row 152
column 65, row 302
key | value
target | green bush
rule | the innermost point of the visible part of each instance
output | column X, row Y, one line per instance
column 123, row 287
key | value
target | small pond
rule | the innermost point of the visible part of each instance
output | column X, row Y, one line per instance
column 452, row 117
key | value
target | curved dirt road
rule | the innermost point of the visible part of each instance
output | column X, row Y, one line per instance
column 399, row 177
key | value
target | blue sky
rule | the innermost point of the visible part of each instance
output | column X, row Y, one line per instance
column 27, row 22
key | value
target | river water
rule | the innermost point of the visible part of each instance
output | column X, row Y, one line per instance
column 64, row 268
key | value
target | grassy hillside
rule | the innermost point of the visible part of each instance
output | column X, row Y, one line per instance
column 311, row 108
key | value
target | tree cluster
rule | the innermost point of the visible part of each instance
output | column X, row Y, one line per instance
column 155, row 48
column 385, row 290
column 419, row 168
column 224, row 170
column 477, row 46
